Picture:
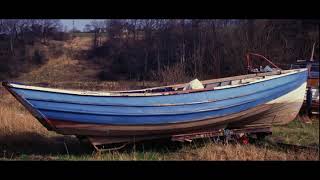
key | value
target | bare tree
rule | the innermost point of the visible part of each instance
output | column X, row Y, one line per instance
column 47, row 27
column 206, row 48
column 87, row 28
column 97, row 27
column 9, row 27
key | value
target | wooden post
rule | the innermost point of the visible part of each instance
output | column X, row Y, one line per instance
column 309, row 102
column 311, row 58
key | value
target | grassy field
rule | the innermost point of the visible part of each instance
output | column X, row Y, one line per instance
column 22, row 137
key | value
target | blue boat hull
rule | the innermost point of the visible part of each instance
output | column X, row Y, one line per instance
column 113, row 114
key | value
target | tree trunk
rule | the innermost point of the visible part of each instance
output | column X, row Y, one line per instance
column 11, row 45
column 158, row 61
column 251, row 34
column 12, row 38
column 216, row 52
column 95, row 39
column 146, row 61
column 134, row 29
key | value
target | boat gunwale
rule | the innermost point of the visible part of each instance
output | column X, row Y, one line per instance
column 282, row 73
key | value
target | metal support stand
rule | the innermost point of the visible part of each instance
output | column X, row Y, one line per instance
column 309, row 102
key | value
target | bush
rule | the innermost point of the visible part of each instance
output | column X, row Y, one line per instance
column 61, row 36
column 56, row 50
column 107, row 75
column 172, row 74
column 4, row 67
column 39, row 57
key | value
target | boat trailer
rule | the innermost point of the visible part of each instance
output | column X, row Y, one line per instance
column 102, row 144
column 227, row 134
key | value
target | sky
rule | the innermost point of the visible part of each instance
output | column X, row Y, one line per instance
column 78, row 23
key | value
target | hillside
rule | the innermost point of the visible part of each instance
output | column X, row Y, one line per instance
column 66, row 67
column 72, row 69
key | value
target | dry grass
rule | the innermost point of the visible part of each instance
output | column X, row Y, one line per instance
column 61, row 69
column 65, row 67
column 19, row 130
column 79, row 43
column 15, row 118
column 243, row 152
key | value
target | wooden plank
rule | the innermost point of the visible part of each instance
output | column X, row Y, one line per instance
column 111, row 130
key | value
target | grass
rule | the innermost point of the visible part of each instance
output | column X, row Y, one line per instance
column 298, row 132
column 86, row 34
column 61, row 69
column 196, row 151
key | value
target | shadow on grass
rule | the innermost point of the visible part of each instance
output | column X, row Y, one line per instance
column 36, row 144
column 162, row 146
column 33, row 144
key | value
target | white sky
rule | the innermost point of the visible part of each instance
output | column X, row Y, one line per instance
column 78, row 23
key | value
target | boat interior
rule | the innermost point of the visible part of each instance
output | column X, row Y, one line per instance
column 216, row 83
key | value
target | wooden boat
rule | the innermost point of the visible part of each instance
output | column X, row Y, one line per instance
column 253, row 100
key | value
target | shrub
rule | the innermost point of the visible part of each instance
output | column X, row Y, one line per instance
column 39, row 57
column 172, row 74
column 107, row 75
column 56, row 50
